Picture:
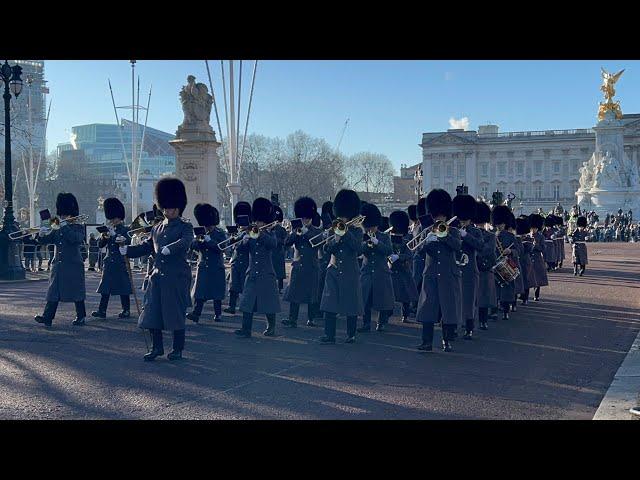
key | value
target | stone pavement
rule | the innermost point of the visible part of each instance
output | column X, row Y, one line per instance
column 554, row 359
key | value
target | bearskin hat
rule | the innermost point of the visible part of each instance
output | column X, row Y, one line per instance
column 399, row 220
column 113, row 208
column 66, row 204
column 582, row 222
column 511, row 220
column 316, row 220
column 500, row 214
column 522, row 225
column 421, row 208
column 372, row 215
column 464, row 207
column 549, row 221
column 304, row 207
column 536, row 221
column 170, row 193
column 346, row 204
column 412, row 211
column 240, row 209
column 327, row 209
column 262, row 210
column 384, row 223
column 483, row 213
column 439, row 203
column 206, row 215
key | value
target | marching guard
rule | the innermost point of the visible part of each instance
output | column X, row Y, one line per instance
column 550, row 248
column 486, row 259
column 210, row 275
column 404, row 287
column 536, row 222
column 305, row 271
column 578, row 240
column 375, row 276
column 239, row 260
column 66, row 282
column 167, row 297
column 506, row 246
column 260, row 291
column 440, row 295
column 278, row 253
column 419, row 255
column 342, row 293
column 327, row 219
column 519, row 247
column 115, row 276
column 527, row 271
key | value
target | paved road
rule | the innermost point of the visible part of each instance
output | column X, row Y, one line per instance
column 553, row 360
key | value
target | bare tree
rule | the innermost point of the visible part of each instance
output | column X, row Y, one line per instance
column 370, row 172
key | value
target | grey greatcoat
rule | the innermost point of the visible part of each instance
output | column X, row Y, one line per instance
column 66, row 282
column 210, row 281
column 507, row 293
column 375, row 276
column 115, row 276
column 167, row 297
column 278, row 252
column 519, row 282
column 304, row 285
column 559, row 239
column 239, row 263
column 577, row 239
column 526, row 263
column 441, row 281
column 471, row 244
column 486, row 258
column 342, row 293
column 260, row 292
column 550, row 254
column 418, row 258
column 538, row 260
column 404, row 287
column 323, row 263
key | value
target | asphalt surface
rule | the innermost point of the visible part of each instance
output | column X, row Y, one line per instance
column 553, row 359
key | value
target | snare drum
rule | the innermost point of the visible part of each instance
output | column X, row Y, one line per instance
column 506, row 269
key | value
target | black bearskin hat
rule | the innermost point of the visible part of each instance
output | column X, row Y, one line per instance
column 384, row 223
column 240, row 209
column 399, row 220
column 372, row 215
column 316, row 221
column 536, row 221
column 170, row 193
column 522, row 225
column 305, row 207
column 346, row 204
column 421, row 207
column 66, row 204
column 327, row 209
column 439, row 203
column 277, row 213
column 483, row 213
column 464, row 207
column 549, row 221
column 582, row 222
column 412, row 211
column 206, row 215
column 113, row 208
column 511, row 220
column 500, row 214
column 262, row 210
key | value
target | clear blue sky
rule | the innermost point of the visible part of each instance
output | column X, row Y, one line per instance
column 389, row 103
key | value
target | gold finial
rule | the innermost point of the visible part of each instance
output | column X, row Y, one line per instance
column 608, row 83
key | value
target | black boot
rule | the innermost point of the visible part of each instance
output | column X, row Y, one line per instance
column 125, row 302
column 157, row 349
column 352, row 321
column 193, row 317
column 155, row 352
column 124, row 314
column 43, row 320
column 468, row 334
column 99, row 314
column 582, row 270
column 329, row 336
column 271, row 326
column 446, row 337
column 427, row 338
column 247, row 322
column 233, row 298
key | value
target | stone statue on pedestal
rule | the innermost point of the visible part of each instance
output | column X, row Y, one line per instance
column 196, row 105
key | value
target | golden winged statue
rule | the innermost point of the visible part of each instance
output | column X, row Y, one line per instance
column 608, row 83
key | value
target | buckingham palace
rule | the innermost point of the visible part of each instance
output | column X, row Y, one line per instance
column 540, row 167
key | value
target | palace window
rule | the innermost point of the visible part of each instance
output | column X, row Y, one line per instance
column 537, row 191
column 556, row 167
column 537, row 167
column 436, row 171
column 484, row 169
column 556, row 191
column 484, row 190
column 449, row 167
column 461, row 170
column 574, row 166
column 520, row 168
column 502, row 169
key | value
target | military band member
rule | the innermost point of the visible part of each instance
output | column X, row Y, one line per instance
column 486, row 259
column 66, row 283
column 404, row 287
column 278, row 253
column 464, row 207
column 327, row 219
column 527, row 272
column 375, row 276
column 115, row 276
column 239, row 260
column 167, row 298
column 440, row 296
column 560, row 235
column 505, row 247
column 578, row 241
column 519, row 247
column 260, row 291
column 305, row 271
column 550, row 249
column 419, row 255
column 536, row 222
column 210, row 276
column 342, row 293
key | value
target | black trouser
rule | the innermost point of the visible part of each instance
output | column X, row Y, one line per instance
column 158, row 344
column 217, row 307
column 525, row 296
column 469, row 324
column 233, row 299
column 125, row 302
column 505, row 307
column 483, row 313
column 294, row 311
column 406, row 309
column 383, row 315
column 330, row 325
column 247, row 321
column 280, row 283
column 536, row 293
column 51, row 308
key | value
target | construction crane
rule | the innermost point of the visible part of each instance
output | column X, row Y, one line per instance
column 342, row 135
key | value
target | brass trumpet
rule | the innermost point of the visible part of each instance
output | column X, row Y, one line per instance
column 337, row 226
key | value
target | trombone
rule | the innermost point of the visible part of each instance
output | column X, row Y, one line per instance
column 231, row 241
column 337, row 226
column 23, row 233
column 441, row 229
column 54, row 224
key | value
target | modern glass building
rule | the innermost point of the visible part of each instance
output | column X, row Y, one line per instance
column 103, row 144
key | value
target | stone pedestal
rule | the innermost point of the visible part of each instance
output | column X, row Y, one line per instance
column 197, row 166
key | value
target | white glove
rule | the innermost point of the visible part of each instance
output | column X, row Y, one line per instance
column 112, row 232
column 245, row 239
column 207, row 238
column 165, row 251
column 304, row 230
column 463, row 233
column 432, row 237
column 123, row 250
column 394, row 257
column 375, row 241
column 120, row 239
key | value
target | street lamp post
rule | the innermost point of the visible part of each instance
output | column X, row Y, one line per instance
column 418, row 179
column 10, row 265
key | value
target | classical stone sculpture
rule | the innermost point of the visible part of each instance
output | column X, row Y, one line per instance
column 196, row 105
